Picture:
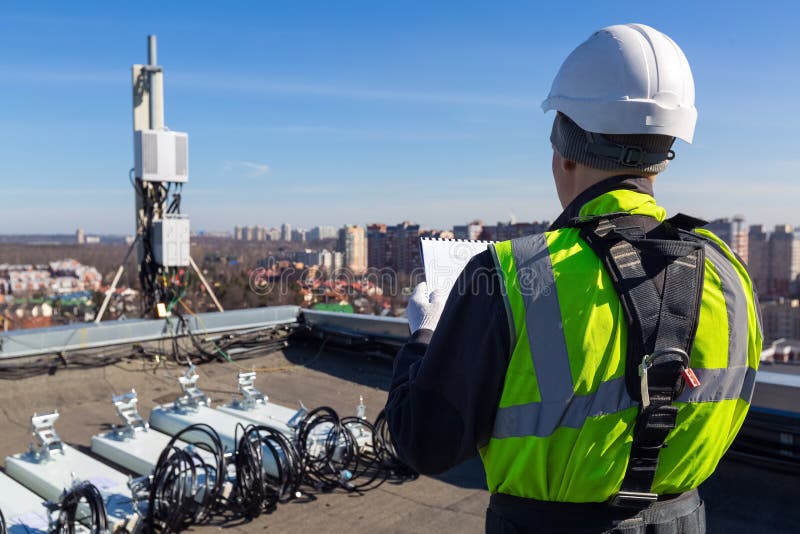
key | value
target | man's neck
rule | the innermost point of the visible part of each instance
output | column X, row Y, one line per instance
column 639, row 184
column 586, row 178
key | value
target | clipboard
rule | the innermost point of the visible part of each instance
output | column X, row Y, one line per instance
column 444, row 259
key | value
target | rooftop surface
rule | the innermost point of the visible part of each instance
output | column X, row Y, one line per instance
column 740, row 497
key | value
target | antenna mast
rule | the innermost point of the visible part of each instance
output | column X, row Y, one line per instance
column 161, row 167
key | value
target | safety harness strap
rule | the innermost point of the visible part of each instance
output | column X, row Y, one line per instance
column 657, row 271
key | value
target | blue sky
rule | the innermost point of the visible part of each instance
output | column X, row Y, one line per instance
column 340, row 112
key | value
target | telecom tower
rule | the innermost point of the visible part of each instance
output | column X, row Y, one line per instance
column 161, row 167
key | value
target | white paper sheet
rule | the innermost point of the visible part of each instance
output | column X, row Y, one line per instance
column 444, row 259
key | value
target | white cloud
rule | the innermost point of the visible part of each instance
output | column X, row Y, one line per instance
column 228, row 83
column 56, row 193
column 246, row 169
column 254, row 170
column 79, row 75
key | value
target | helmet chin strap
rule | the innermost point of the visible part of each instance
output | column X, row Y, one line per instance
column 625, row 155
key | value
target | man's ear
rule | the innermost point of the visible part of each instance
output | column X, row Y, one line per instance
column 568, row 165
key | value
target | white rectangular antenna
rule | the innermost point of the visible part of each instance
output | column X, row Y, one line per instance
column 161, row 156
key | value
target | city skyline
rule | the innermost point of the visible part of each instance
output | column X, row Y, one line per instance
column 277, row 227
column 330, row 115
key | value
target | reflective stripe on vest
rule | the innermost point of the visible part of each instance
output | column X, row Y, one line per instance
column 558, row 439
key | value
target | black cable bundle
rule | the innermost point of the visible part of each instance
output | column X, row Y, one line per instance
column 3, row 529
column 328, row 450
column 257, row 342
column 247, row 345
column 397, row 470
column 202, row 353
column 186, row 487
column 151, row 196
column 257, row 489
column 251, row 344
column 68, row 504
column 368, row 471
column 328, row 453
column 18, row 369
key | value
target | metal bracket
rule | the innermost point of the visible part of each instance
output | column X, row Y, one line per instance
column 250, row 395
column 294, row 422
column 127, row 411
column 192, row 397
column 42, row 428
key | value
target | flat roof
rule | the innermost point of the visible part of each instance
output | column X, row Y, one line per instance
column 740, row 497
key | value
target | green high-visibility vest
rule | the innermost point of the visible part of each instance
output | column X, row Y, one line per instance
column 564, row 426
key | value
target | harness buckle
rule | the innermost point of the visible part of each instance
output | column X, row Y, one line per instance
column 644, row 387
column 659, row 357
column 633, row 499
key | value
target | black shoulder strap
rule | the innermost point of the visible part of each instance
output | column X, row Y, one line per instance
column 657, row 270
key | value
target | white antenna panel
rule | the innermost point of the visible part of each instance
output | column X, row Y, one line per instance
column 161, row 155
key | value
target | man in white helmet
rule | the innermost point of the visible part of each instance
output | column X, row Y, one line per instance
column 600, row 369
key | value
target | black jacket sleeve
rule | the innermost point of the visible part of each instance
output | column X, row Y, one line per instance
column 446, row 384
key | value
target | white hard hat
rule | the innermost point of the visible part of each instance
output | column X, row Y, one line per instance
column 627, row 79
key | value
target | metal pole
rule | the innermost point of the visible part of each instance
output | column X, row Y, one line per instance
column 114, row 283
column 205, row 283
column 152, row 57
column 156, row 81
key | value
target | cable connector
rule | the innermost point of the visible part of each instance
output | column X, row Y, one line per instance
column 361, row 409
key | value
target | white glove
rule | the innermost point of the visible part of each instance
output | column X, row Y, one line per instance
column 424, row 310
